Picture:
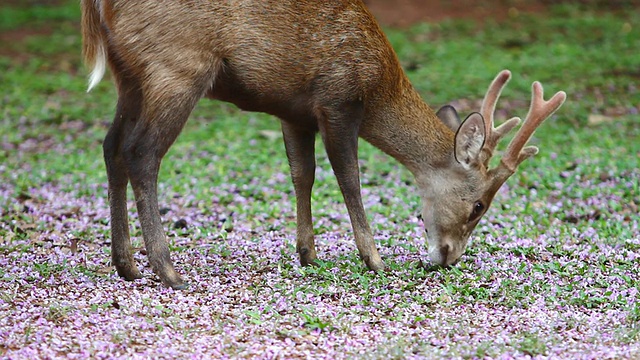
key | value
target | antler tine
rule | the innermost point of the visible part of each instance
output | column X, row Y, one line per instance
column 493, row 135
column 538, row 112
column 491, row 98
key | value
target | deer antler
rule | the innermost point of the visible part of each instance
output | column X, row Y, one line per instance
column 487, row 111
column 516, row 152
column 538, row 111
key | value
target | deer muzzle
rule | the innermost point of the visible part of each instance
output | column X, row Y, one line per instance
column 445, row 254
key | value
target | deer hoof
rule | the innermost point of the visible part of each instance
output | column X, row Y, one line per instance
column 175, row 283
column 129, row 272
column 182, row 286
column 171, row 278
column 307, row 257
column 374, row 263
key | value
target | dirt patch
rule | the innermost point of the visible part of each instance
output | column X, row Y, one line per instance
column 402, row 13
column 12, row 41
column 26, row 3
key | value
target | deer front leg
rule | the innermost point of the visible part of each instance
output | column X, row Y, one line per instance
column 339, row 131
column 299, row 144
column 164, row 116
column 128, row 110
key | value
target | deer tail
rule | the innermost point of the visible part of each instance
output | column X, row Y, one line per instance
column 93, row 41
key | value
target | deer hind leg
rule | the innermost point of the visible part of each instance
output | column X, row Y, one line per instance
column 339, row 128
column 127, row 112
column 299, row 144
column 166, row 109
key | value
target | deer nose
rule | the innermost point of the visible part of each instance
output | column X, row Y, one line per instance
column 445, row 250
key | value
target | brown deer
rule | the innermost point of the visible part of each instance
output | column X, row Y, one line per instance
column 320, row 67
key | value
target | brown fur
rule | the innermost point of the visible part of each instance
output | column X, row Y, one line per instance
column 319, row 66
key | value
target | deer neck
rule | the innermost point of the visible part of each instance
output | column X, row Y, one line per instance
column 402, row 125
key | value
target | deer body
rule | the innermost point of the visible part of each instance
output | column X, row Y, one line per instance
column 319, row 66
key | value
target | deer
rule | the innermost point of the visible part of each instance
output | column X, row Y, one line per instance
column 320, row 67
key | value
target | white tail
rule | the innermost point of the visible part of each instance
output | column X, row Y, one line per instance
column 99, row 68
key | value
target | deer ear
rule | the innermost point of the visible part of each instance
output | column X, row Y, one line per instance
column 469, row 140
column 449, row 116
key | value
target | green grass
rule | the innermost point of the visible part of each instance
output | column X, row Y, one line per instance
column 51, row 133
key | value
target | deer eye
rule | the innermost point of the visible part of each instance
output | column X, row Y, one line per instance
column 478, row 209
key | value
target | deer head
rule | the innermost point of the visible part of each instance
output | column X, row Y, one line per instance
column 457, row 195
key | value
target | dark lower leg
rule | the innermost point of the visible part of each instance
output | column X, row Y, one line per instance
column 340, row 135
column 152, row 230
column 300, row 152
column 165, row 115
column 121, row 252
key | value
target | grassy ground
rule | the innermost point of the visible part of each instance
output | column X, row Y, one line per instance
column 552, row 271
